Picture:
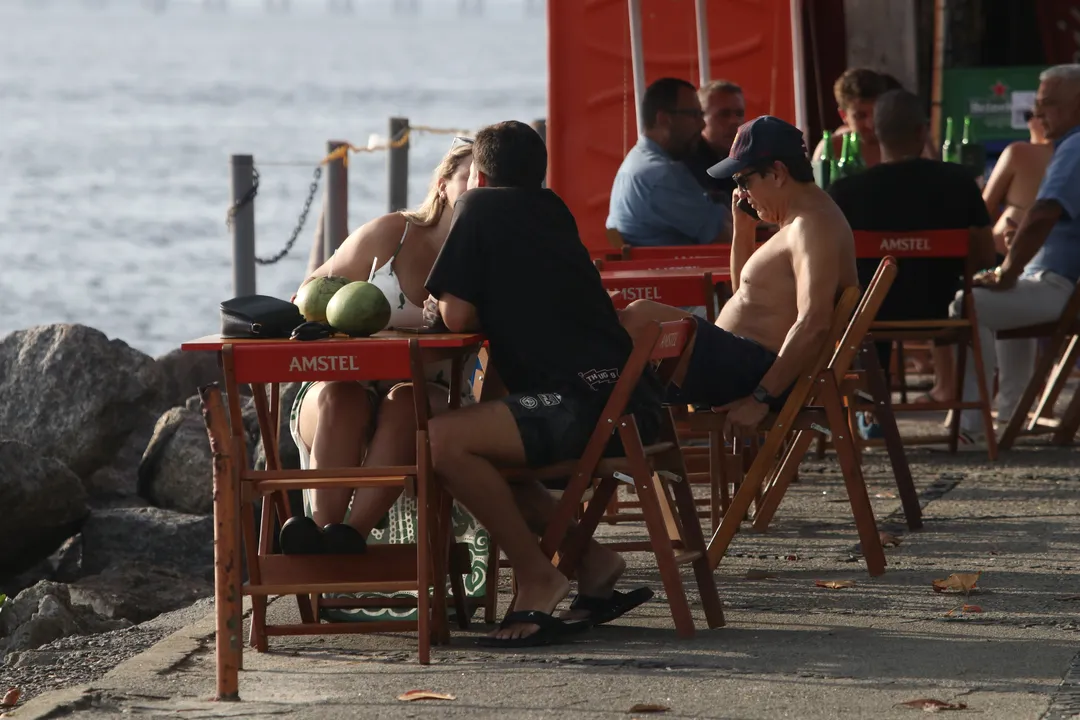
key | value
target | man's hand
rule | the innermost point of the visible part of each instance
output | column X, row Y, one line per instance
column 996, row 279
column 742, row 224
column 745, row 414
column 432, row 318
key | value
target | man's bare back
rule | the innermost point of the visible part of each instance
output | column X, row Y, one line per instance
column 765, row 305
column 1014, row 183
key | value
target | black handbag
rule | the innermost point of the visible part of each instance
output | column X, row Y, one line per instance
column 259, row 316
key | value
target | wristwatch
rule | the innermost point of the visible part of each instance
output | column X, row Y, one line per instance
column 762, row 395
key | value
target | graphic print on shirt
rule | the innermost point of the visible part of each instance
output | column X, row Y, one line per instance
column 610, row 376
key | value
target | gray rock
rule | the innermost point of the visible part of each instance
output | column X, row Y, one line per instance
column 186, row 372
column 45, row 612
column 73, row 394
column 159, row 538
column 64, row 565
column 119, row 479
column 42, row 503
column 177, row 470
column 137, row 591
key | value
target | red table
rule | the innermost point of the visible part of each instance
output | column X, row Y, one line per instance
column 264, row 364
column 678, row 287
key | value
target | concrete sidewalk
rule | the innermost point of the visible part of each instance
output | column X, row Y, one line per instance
column 790, row 648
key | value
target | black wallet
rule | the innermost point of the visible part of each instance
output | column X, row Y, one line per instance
column 259, row 316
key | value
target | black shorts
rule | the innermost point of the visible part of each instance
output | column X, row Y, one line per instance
column 723, row 368
column 556, row 426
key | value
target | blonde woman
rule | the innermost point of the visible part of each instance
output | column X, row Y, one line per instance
column 350, row 424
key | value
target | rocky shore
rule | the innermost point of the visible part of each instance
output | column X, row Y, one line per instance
column 105, row 492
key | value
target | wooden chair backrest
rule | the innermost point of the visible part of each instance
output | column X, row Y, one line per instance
column 672, row 252
column 712, row 261
column 851, row 342
column 874, row 244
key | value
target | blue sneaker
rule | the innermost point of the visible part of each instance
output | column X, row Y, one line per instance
column 868, row 429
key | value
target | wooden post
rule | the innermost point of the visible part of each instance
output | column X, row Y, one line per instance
column 228, row 595
column 336, row 217
column 397, row 166
column 540, row 126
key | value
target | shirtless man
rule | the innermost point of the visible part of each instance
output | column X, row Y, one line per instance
column 785, row 292
column 1015, row 181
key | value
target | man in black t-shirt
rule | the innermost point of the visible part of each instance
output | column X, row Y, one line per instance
column 514, row 267
column 907, row 193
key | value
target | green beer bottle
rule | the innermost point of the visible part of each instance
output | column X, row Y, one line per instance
column 950, row 151
column 843, row 166
column 855, row 161
column 823, row 164
column 972, row 154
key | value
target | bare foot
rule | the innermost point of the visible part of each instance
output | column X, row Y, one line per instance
column 600, row 570
column 543, row 593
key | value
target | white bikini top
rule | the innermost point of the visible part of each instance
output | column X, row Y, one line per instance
column 403, row 313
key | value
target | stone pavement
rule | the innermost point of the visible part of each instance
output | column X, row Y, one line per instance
column 790, row 648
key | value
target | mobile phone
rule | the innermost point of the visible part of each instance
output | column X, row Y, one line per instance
column 747, row 208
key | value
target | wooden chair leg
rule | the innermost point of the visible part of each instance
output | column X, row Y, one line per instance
column 491, row 584
column 655, row 523
column 894, row 444
column 901, row 371
column 718, row 482
column 424, row 488
column 853, row 480
column 1070, row 422
column 787, row 470
column 694, row 540
column 1056, row 383
column 257, row 633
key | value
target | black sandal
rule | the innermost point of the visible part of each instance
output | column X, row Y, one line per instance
column 604, row 610
column 551, row 631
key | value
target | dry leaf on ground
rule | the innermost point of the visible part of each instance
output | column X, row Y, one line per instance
column 931, row 705
column 964, row 609
column 424, row 695
column 885, row 495
column 958, row 582
column 11, row 697
column 888, row 540
column 835, row 584
column 648, row 708
column 754, row 574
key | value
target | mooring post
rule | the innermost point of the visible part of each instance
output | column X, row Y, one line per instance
column 243, row 225
column 540, row 126
column 336, row 218
column 397, row 166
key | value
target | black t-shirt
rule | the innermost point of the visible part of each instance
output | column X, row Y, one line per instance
column 703, row 158
column 918, row 194
column 516, row 255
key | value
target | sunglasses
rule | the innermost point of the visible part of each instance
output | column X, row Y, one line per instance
column 460, row 141
column 743, row 181
column 1028, row 114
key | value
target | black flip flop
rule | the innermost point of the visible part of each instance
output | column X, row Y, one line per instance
column 551, row 631
column 604, row 610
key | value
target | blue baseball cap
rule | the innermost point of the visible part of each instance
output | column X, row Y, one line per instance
column 758, row 139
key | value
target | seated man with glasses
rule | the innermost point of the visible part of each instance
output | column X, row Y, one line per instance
column 785, row 290
column 724, row 106
column 655, row 199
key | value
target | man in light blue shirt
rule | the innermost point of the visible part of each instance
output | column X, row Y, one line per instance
column 655, row 199
column 1042, row 266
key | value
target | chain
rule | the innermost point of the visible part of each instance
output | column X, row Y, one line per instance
column 299, row 223
column 249, row 196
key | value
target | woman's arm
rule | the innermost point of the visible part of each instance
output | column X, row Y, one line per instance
column 997, row 187
column 375, row 239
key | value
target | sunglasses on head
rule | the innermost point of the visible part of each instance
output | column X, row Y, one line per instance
column 459, row 141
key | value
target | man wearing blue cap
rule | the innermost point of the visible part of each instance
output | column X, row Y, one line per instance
column 784, row 291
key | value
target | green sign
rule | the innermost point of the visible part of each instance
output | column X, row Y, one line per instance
column 995, row 98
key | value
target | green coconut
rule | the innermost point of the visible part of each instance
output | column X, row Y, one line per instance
column 358, row 309
column 313, row 298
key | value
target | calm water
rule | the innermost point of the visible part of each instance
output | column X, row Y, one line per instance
column 116, row 125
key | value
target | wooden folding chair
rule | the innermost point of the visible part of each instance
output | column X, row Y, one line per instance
column 422, row 567
column 656, row 472
column 815, row 406
column 963, row 331
column 1052, row 371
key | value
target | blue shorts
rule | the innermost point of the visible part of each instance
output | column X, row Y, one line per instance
column 723, row 368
